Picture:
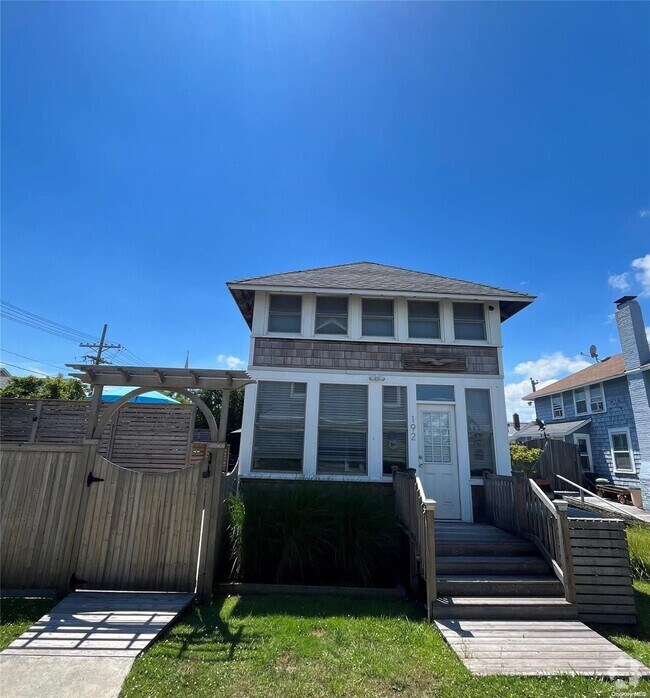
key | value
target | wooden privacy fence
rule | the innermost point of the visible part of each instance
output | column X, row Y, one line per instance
column 559, row 458
column 70, row 518
column 140, row 435
column 415, row 515
column 517, row 504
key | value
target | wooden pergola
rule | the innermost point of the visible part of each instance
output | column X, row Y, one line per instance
column 145, row 378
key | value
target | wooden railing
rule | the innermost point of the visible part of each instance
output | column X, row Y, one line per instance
column 518, row 504
column 415, row 514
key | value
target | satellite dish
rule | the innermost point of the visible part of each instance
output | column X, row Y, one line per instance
column 593, row 352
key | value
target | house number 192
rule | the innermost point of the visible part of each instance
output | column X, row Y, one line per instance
column 412, row 428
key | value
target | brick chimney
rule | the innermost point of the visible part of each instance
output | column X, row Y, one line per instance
column 636, row 353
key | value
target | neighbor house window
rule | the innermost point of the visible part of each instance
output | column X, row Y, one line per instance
column 584, row 450
column 377, row 318
column 279, row 426
column 394, row 428
column 479, row 431
column 619, row 440
column 596, row 398
column 285, row 314
column 331, row 315
column 469, row 321
column 343, row 429
column 434, row 393
column 424, row 319
column 581, row 401
column 558, row 407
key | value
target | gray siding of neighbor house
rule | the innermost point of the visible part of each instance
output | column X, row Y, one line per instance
column 619, row 413
column 369, row 356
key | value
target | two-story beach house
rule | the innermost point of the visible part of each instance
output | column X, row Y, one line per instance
column 605, row 408
column 361, row 368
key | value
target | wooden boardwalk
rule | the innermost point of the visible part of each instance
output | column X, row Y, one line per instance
column 598, row 505
column 101, row 624
column 537, row 648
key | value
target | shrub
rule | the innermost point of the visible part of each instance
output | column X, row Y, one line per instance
column 638, row 541
column 313, row 533
column 523, row 459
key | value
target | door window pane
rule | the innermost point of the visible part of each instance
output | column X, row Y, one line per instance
column 436, row 437
column 285, row 313
column 434, row 393
column 424, row 319
column 479, row 431
column 343, row 429
column 394, row 428
column 331, row 315
column 377, row 318
column 279, row 426
column 469, row 321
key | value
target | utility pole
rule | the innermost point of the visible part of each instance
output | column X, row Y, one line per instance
column 97, row 358
column 533, row 384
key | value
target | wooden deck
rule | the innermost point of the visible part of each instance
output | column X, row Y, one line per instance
column 101, row 624
column 537, row 648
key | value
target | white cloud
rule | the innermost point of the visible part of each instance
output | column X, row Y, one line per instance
column 642, row 265
column 619, row 281
column 231, row 362
column 644, row 213
column 546, row 370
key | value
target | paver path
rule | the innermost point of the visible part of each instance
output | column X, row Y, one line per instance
column 85, row 645
column 537, row 648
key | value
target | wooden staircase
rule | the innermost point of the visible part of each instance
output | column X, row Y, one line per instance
column 485, row 573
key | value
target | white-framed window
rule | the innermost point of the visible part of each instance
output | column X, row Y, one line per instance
column 621, row 450
column 394, row 429
column 589, row 399
column 343, row 429
column 377, row 317
column 285, row 313
column 278, row 439
column 557, row 406
column 583, row 443
column 424, row 319
column 331, row 315
column 469, row 321
column 480, row 433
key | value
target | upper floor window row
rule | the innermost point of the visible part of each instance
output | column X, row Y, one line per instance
column 587, row 400
column 378, row 317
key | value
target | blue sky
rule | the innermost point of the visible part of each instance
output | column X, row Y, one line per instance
column 153, row 151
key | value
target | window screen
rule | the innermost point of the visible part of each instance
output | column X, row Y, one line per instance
column 279, row 426
column 377, row 317
column 285, row 313
column 343, row 429
column 479, row 431
column 331, row 315
column 394, row 428
column 424, row 319
column 581, row 401
column 469, row 321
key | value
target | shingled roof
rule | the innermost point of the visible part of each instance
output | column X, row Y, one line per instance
column 603, row 370
column 370, row 276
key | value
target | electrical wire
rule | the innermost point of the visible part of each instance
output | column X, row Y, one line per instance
column 22, row 368
column 19, row 314
column 31, row 358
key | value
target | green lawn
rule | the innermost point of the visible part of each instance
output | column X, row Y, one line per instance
column 16, row 615
column 303, row 647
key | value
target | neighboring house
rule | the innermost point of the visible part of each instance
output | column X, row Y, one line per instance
column 364, row 367
column 4, row 377
column 604, row 409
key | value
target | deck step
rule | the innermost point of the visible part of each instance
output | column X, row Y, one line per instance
column 513, row 608
column 497, row 548
column 499, row 585
column 491, row 565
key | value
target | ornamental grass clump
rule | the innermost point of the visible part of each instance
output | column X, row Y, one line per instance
column 638, row 542
column 313, row 533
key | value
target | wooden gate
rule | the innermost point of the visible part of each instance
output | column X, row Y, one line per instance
column 106, row 527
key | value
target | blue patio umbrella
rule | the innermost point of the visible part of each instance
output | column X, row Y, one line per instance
column 112, row 393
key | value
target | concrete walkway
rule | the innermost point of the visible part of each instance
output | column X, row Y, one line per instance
column 537, row 648
column 87, row 644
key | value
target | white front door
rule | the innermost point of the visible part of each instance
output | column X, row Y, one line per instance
column 438, row 463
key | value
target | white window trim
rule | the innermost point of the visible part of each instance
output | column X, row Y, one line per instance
column 378, row 337
column 322, row 335
column 587, row 391
column 561, row 406
column 267, row 316
column 408, row 320
column 622, row 430
column 588, row 440
column 486, row 325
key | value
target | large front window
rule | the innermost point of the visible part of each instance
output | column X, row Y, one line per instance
column 377, row 318
column 285, row 314
column 279, row 426
column 343, row 429
column 479, row 431
column 394, row 428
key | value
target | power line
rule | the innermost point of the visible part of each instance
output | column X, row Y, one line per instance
column 18, row 314
column 22, row 368
column 31, row 358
